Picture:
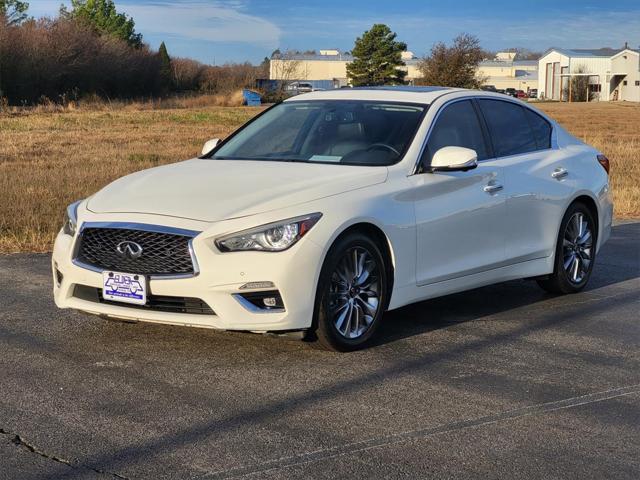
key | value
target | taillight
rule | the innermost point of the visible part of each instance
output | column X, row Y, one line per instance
column 604, row 161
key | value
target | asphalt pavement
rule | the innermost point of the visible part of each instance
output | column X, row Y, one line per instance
column 504, row 381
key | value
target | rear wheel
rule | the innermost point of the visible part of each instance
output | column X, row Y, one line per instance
column 352, row 294
column 575, row 252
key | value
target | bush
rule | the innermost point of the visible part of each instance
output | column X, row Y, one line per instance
column 61, row 60
column 227, row 78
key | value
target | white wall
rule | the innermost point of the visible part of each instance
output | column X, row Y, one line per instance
column 551, row 57
column 602, row 69
column 631, row 66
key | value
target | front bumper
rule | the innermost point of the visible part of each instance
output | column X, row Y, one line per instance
column 293, row 272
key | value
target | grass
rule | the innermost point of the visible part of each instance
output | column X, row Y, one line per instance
column 50, row 157
column 614, row 129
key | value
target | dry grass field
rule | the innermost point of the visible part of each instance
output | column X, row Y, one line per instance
column 614, row 129
column 51, row 157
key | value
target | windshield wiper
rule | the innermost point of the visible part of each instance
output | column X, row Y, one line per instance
column 263, row 159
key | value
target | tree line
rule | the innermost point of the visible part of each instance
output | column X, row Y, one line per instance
column 92, row 49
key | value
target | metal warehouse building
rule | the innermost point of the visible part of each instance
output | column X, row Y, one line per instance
column 326, row 65
column 331, row 65
column 612, row 74
column 505, row 72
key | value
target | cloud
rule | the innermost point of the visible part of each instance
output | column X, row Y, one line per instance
column 230, row 29
column 212, row 21
column 590, row 28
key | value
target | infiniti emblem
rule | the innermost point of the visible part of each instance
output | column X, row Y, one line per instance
column 129, row 249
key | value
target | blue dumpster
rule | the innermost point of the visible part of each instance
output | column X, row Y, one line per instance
column 251, row 98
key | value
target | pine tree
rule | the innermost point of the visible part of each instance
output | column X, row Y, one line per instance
column 13, row 11
column 377, row 58
column 102, row 16
column 165, row 68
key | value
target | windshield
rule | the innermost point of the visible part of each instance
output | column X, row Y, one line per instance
column 327, row 131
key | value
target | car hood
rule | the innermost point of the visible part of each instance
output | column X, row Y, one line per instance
column 213, row 190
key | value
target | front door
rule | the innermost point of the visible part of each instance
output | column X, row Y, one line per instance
column 460, row 216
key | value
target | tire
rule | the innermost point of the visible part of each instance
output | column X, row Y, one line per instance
column 352, row 294
column 575, row 252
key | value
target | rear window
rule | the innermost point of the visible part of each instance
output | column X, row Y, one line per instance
column 541, row 129
column 509, row 128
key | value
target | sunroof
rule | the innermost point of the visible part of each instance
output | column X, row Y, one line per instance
column 404, row 88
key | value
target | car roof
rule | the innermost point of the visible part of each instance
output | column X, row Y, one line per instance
column 407, row 94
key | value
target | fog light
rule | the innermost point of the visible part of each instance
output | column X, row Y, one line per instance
column 265, row 301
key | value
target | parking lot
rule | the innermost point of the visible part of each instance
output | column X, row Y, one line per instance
column 505, row 381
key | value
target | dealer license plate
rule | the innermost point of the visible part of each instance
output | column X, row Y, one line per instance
column 124, row 287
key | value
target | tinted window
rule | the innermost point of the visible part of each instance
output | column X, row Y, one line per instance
column 541, row 129
column 509, row 128
column 456, row 126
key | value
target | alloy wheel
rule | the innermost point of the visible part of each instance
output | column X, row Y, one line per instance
column 577, row 248
column 354, row 293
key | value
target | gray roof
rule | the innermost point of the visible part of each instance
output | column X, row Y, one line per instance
column 327, row 58
column 590, row 52
column 341, row 57
column 508, row 63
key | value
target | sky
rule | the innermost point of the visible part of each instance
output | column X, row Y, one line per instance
column 219, row 31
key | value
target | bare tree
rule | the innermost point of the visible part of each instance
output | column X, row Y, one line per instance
column 186, row 73
column 60, row 59
column 287, row 68
column 577, row 88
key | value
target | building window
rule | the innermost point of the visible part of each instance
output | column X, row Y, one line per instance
column 624, row 82
column 637, row 83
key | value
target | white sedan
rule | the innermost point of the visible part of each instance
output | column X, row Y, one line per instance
column 332, row 207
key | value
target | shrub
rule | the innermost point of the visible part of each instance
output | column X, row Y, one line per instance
column 61, row 60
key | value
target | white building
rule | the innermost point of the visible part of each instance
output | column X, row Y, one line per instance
column 612, row 74
column 328, row 65
column 331, row 65
column 505, row 72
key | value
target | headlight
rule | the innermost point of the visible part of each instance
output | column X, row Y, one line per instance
column 71, row 218
column 273, row 237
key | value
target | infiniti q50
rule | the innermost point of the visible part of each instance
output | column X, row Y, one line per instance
column 332, row 207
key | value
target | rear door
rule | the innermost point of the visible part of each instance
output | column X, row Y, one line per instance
column 459, row 215
column 537, row 176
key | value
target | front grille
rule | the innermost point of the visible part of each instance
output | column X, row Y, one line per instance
column 162, row 253
column 158, row 303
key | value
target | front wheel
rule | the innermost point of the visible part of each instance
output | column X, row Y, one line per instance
column 575, row 252
column 352, row 294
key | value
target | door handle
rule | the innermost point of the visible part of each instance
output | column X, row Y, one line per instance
column 559, row 173
column 493, row 188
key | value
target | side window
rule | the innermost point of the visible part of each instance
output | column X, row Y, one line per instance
column 541, row 129
column 456, row 126
column 508, row 126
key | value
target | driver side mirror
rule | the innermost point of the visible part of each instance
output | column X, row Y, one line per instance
column 210, row 145
column 454, row 159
